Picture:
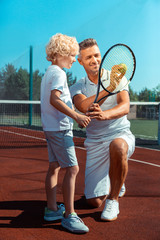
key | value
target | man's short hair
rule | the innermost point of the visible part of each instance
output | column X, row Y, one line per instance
column 89, row 42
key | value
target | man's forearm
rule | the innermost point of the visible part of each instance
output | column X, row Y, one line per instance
column 118, row 111
column 82, row 104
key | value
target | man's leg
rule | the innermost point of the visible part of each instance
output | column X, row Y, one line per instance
column 118, row 166
column 117, row 172
column 96, row 202
column 97, row 183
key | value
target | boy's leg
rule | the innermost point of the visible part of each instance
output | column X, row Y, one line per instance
column 51, row 185
column 69, row 189
column 71, row 221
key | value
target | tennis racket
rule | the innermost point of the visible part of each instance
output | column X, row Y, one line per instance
column 121, row 58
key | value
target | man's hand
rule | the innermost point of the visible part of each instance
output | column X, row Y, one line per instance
column 95, row 112
column 116, row 76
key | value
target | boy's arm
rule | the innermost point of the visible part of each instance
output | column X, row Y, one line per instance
column 62, row 107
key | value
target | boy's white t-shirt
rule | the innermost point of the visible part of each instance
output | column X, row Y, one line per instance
column 52, row 119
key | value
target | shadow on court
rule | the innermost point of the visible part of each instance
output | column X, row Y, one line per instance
column 31, row 215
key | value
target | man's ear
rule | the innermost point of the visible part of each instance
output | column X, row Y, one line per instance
column 80, row 61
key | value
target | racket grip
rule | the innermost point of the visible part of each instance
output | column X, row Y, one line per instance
column 80, row 126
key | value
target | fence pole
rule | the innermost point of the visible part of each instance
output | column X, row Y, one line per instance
column 30, row 83
column 159, row 126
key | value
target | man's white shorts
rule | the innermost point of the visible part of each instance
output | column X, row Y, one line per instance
column 97, row 182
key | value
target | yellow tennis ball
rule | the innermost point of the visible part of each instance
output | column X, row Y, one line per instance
column 123, row 68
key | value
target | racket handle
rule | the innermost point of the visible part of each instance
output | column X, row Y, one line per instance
column 80, row 126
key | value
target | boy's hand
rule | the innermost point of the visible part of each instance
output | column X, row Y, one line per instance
column 82, row 120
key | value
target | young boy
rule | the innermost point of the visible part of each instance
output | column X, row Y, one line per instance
column 57, row 114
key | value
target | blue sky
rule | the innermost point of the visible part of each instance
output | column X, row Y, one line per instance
column 33, row 22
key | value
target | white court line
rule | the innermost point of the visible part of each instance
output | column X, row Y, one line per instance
column 82, row 148
column 23, row 135
column 152, row 164
column 130, row 159
column 149, row 148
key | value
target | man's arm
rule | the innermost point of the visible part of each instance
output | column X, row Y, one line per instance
column 121, row 109
column 82, row 103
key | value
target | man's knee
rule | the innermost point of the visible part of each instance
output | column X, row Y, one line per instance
column 119, row 147
column 96, row 202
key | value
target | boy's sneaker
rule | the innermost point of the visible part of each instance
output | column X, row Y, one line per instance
column 74, row 224
column 50, row 215
column 122, row 191
column 110, row 211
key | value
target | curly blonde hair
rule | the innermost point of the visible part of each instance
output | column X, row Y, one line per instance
column 61, row 44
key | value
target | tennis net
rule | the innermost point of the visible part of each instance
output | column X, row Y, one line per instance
column 20, row 123
column 145, row 121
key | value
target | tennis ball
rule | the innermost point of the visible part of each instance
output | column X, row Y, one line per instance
column 123, row 68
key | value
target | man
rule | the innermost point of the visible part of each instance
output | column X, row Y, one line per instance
column 109, row 142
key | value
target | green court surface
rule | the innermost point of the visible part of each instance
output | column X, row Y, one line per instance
column 147, row 129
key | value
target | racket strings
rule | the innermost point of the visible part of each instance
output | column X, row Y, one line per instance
column 118, row 55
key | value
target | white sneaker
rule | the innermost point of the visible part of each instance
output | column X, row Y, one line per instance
column 74, row 224
column 122, row 191
column 110, row 211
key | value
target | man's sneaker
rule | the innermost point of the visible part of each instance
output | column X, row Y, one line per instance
column 122, row 191
column 110, row 211
column 74, row 224
column 50, row 215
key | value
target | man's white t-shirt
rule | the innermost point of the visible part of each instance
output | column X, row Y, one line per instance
column 96, row 130
column 52, row 119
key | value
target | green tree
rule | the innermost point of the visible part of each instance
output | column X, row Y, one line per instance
column 7, row 74
column 16, row 85
column 1, row 86
column 37, row 77
column 144, row 95
column 133, row 95
column 8, row 70
column 70, row 79
column 157, row 93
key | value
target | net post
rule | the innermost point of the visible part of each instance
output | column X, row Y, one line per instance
column 159, row 125
column 30, row 83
